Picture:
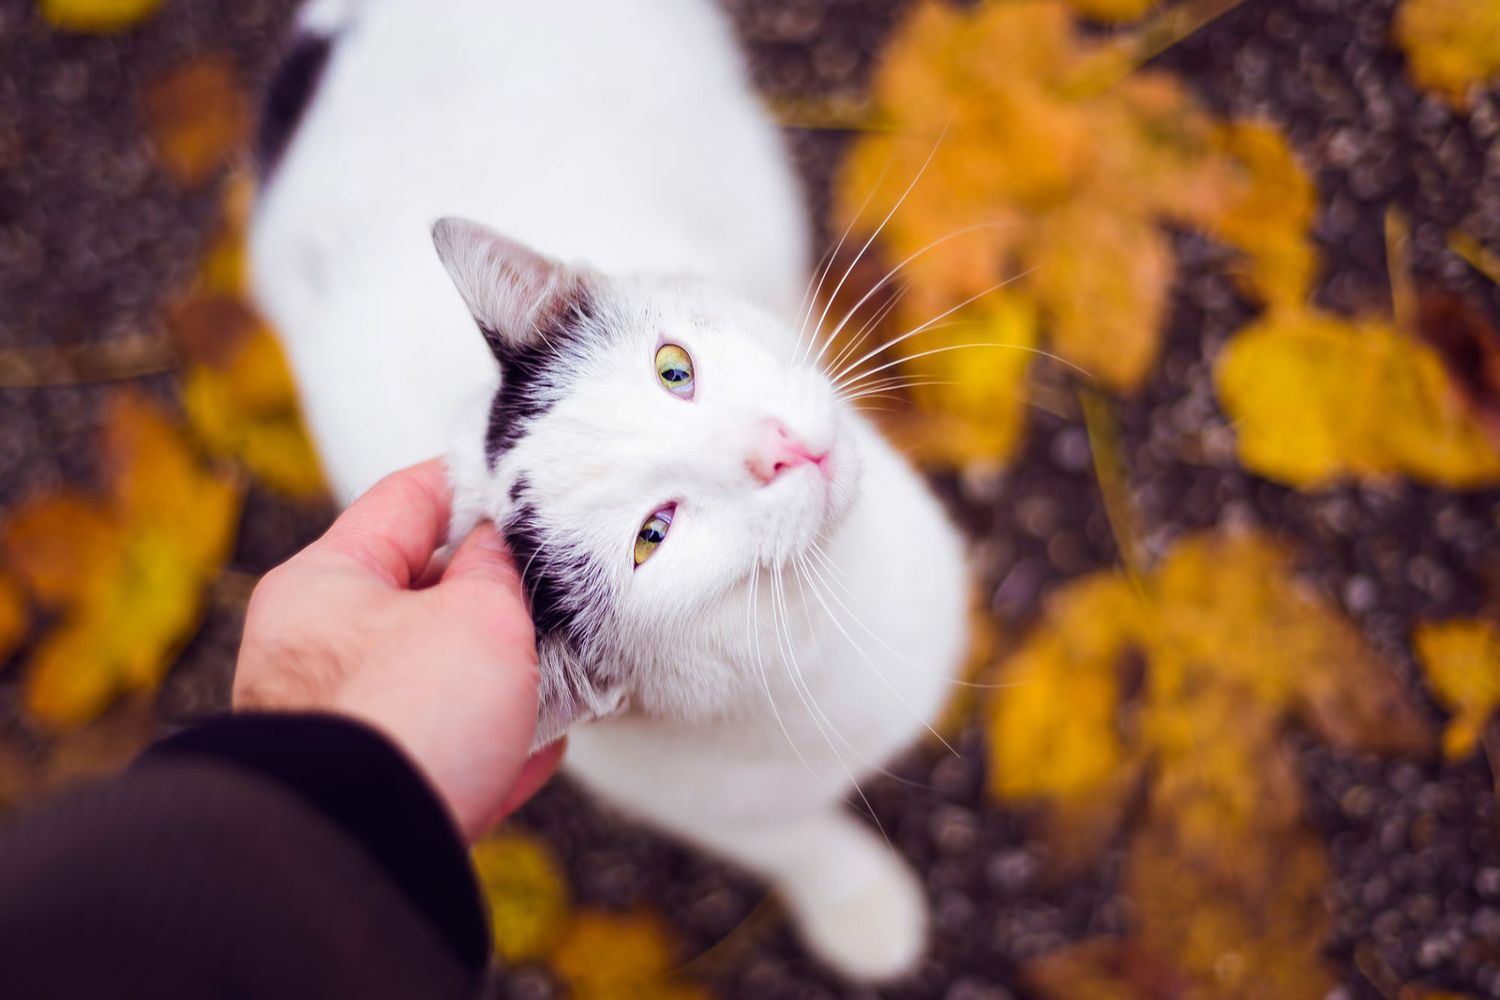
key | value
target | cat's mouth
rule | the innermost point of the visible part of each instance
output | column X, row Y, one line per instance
column 814, row 498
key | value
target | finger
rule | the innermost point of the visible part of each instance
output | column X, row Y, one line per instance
column 536, row 772
column 394, row 527
column 483, row 556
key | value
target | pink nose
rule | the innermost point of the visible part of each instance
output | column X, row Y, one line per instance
column 774, row 450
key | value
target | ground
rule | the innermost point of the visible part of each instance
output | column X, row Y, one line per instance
column 95, row 236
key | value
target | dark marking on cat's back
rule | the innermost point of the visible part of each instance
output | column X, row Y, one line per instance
column 287, row 98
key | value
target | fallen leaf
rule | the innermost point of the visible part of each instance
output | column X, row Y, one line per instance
column 607, row 956
column 238, row 391
column 1008, row 160
column 100, row 16
column 1103, row 276
column 1316, row 398
column 224, row 269
column 1268, row 213
column 1076, row 761
column 127, row 568
column 197, row 117
column 1462, row 663
column 1165, row 688
column 242, row 403
column 972, row 401
column 13, row 618
column 1452, row 46
column 526, row 892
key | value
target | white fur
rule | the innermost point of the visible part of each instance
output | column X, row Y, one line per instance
column 622, row 136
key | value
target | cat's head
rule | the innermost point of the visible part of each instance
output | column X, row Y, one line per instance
column 652, row 446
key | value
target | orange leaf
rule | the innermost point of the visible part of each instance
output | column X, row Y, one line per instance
column 13, row 618
column 197, row 116
column 61, row 546
column 606, row 956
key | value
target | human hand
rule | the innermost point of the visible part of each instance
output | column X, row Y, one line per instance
column 447, row 671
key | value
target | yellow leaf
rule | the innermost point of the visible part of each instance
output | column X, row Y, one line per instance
column 127, row 569
column 1316, row 398
column 197, row 116
column 527, row 894
column 1452, row 46
column 1218, row 597
column 1103, row 276
column 971, row 403
column 1068, row 756
column 1462, row 661
column 97, row 15
column 247, row 409
column 1269, row 215
column 606, row 956
column 1074, row 760
column 1226, row 881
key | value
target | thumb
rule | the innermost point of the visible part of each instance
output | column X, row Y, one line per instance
column 483, row 557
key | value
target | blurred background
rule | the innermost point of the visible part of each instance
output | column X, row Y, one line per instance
column 1235, row 509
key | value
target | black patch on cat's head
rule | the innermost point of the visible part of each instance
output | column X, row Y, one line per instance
column 535, row 375
column 563, row 587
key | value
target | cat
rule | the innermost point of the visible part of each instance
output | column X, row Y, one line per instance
column 745, row 598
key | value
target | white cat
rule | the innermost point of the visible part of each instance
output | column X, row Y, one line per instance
column 745, row 599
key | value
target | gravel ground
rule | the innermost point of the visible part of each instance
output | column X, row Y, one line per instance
column 91, row 238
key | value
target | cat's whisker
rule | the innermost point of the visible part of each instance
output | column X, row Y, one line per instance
column 838, row 377
column 869, row 661
column 891, row 274
column 753, row 634
column 794, row 672
column 810, row 300
column 829, row 564
column 870, row 326
column 890, row 391
column 833, row 296
column 801, row 591
column 804, row 584
column 977, row 344
column 834, row 568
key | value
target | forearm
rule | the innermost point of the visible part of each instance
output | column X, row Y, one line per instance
column 276, row 855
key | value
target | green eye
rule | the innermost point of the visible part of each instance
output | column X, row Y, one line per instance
column 653, row 532
column 675, row 370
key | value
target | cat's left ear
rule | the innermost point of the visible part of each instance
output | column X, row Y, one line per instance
column 515, row 293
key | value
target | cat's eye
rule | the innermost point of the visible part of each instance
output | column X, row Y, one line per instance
column 674, row 368
column 653, row 532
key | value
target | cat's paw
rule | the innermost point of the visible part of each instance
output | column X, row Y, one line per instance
column 871, row 927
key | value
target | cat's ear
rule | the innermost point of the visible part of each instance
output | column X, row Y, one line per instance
column 515, row 293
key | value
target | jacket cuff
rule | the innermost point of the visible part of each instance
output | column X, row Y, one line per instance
column 363, row 784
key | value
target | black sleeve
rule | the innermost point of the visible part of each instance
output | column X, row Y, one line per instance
column 284, row 856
